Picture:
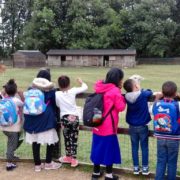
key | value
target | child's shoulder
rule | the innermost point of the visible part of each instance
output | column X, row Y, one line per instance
column 146, row 92
column 17, row 101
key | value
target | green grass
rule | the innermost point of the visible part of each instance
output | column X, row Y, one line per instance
column 154, row 76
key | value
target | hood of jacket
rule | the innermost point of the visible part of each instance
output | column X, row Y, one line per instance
column 101, row 87
column 132, row 96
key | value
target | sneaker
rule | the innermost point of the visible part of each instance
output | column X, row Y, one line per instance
column 136, row 170
column 52, row 165
column 114, row 178
column 65, row 159
column 74, row 162
column 96, row 176
column 11, row 166
column 145, row 171
column 38, row 168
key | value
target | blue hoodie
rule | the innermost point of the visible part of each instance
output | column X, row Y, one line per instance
column 137, row 107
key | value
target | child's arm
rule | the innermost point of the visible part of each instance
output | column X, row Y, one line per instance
column 20, row 94
column 157, row 96
column 120, row 102
column 81, row 89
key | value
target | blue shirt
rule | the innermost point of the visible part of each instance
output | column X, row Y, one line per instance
column 137, row 112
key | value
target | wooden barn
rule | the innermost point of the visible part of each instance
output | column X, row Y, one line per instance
column 103, row 57
column 29, row 58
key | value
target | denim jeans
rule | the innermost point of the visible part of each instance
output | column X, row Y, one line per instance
column 139, row 135
column 167, row 155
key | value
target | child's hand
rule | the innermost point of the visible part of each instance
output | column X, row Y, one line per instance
column 79, row 80
column 158, row 95
column 177, row 97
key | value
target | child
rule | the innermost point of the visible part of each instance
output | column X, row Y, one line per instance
column 65, row 100
column 13, row 132
column 41, row 129
column 167, row 131
column 105, row 146
column 137, row 116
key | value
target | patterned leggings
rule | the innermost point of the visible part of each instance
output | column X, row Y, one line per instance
column 70, row 126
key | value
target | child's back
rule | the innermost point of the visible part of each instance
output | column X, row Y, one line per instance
column 137, row 116
column 65, row 100
column 168, row 137
column 13, row 132
column 137, row 107
column 17, row 126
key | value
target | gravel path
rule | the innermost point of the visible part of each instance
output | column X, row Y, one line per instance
column 25, row 171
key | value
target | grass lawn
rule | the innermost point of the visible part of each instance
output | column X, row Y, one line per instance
column 154, row 76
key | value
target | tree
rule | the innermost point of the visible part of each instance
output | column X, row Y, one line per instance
column 14, row 15
column 152, row 27
column 175, row 43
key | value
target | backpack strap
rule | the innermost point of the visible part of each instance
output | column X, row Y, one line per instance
column 48, row 102
column 112, row 118
column 108, row 113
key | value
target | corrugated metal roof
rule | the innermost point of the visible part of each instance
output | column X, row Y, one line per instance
column 100, row 52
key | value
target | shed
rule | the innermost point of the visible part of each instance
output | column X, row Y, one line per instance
column 96, row 57
column 28, row 58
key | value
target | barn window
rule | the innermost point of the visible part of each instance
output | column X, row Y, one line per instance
column 106, row 61
column 63, row 58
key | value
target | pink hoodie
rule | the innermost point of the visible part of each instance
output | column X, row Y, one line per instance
column 112, row 96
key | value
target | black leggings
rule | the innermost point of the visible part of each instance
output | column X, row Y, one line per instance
column 108, row 169
column 36, row 153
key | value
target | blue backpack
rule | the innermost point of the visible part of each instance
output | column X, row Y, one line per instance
column 34, row 103
column 93, row 111
column 166, row 115
column 8, row 113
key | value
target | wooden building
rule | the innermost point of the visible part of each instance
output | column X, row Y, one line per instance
column 105, row 57
column 28, row 58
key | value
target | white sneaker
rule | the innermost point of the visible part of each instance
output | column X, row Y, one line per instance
column 52, row 165
column 38, row 168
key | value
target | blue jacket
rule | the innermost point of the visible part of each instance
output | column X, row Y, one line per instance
column 137, row 107
column 44, row 121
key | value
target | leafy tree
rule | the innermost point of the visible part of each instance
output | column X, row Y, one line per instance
column 150, row 26
column 153, row 29
column 14, row 15
column 174, row 45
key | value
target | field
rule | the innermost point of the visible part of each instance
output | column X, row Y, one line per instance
column 154, row 76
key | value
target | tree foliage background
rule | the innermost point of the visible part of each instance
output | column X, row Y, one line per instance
column 152, row 27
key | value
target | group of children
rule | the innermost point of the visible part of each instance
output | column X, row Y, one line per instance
column 40, row 125
column 41, row 128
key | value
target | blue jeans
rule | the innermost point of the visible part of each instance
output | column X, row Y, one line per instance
column 167, row 155
column 139, row 135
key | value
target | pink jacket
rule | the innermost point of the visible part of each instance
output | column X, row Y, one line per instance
column 112, row 96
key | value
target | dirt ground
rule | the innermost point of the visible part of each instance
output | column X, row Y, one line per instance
column 25, row 171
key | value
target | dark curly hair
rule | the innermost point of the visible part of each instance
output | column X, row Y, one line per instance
column 10, row 87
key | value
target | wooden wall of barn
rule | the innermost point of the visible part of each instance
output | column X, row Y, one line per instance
column 86, row 61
